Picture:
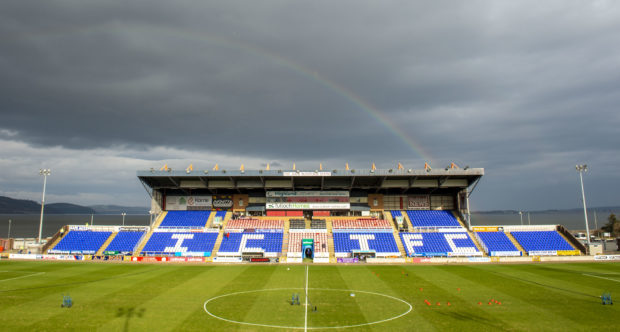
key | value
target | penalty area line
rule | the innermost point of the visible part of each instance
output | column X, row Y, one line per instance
column 30, row 275
column 591, row 275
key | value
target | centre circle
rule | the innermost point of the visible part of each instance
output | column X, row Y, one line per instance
column 335, row 308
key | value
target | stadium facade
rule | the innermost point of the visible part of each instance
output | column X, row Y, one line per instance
column 351, row 215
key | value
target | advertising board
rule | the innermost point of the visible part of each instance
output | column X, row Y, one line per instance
column 222, row 202
column 307, row 206
column 336, row 193
column 419, row 202
column 182, row 203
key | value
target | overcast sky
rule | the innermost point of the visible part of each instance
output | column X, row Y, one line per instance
column 524, row 89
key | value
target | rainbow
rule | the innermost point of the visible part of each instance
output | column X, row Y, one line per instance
column 340, row 90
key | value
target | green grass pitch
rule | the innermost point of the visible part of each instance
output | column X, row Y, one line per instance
column 160, row 297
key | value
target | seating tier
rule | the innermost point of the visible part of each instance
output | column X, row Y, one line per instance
column 167, row 243
column 439, row 244
column 194, row 219
column 380, row 242
column 361, row 224
column 239, row 242
column 434, row 218
column 125, row 241
column 246, row 223
column 541, row 241
column 84, row 242
column 497, row 244
column 320, row 241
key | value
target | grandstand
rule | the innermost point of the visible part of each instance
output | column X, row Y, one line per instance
column 322, row 216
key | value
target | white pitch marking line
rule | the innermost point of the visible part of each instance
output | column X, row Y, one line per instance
column 590, row 275
column 306, row 317
column 301, row 327
column 30, row 275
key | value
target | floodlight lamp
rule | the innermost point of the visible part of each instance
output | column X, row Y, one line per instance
column 466, row 167
column 409, row 170
column 206, row 172
column 352, row 171
column 390, row 170
column 371, row 171
column 335, row 171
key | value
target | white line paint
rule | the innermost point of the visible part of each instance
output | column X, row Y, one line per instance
column 590, row 275
column 306, row 316
column 30, row 275
column 303, row 327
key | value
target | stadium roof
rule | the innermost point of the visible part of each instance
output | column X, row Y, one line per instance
column 311, row 179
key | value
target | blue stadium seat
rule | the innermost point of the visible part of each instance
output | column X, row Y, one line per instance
column 380, row 242
column 432, row 218
column 498, row 244
column 396, row 213
column 221, row 214
column 194, row 219
column 268, row 242
column 439, row 244
column 125, row 242
column 168, row 243
column 541, row 241
column 81, row 242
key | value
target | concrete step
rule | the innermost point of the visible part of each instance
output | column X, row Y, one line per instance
column 516, row 243
column 106, row 244
column 146, row 238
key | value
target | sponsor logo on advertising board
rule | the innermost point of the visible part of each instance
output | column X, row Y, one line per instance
column 188, row 202
column 484, row 229
column 222, row 202
column 308, row 206
column 419, row 202
column 348, row 260
column 607, row 257
column 337, row 193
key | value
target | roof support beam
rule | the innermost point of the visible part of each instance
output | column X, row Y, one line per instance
column 380, row 184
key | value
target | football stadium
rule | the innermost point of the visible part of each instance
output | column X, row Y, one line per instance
column 310, row 250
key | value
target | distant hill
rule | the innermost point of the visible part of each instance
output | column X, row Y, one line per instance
column 18, row 206
column 21, row 206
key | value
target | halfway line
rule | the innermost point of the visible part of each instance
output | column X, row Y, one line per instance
column 306, row 315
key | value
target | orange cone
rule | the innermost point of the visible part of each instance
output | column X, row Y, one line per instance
column 449, row 303
column 479, row 303
column 438, row 303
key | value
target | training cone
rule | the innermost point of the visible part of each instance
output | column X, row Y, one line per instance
column 479, row 303
column 448, row 303
column 421, row 289
column 438, row 303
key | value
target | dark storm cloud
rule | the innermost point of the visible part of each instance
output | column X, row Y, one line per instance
column 487, row 83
